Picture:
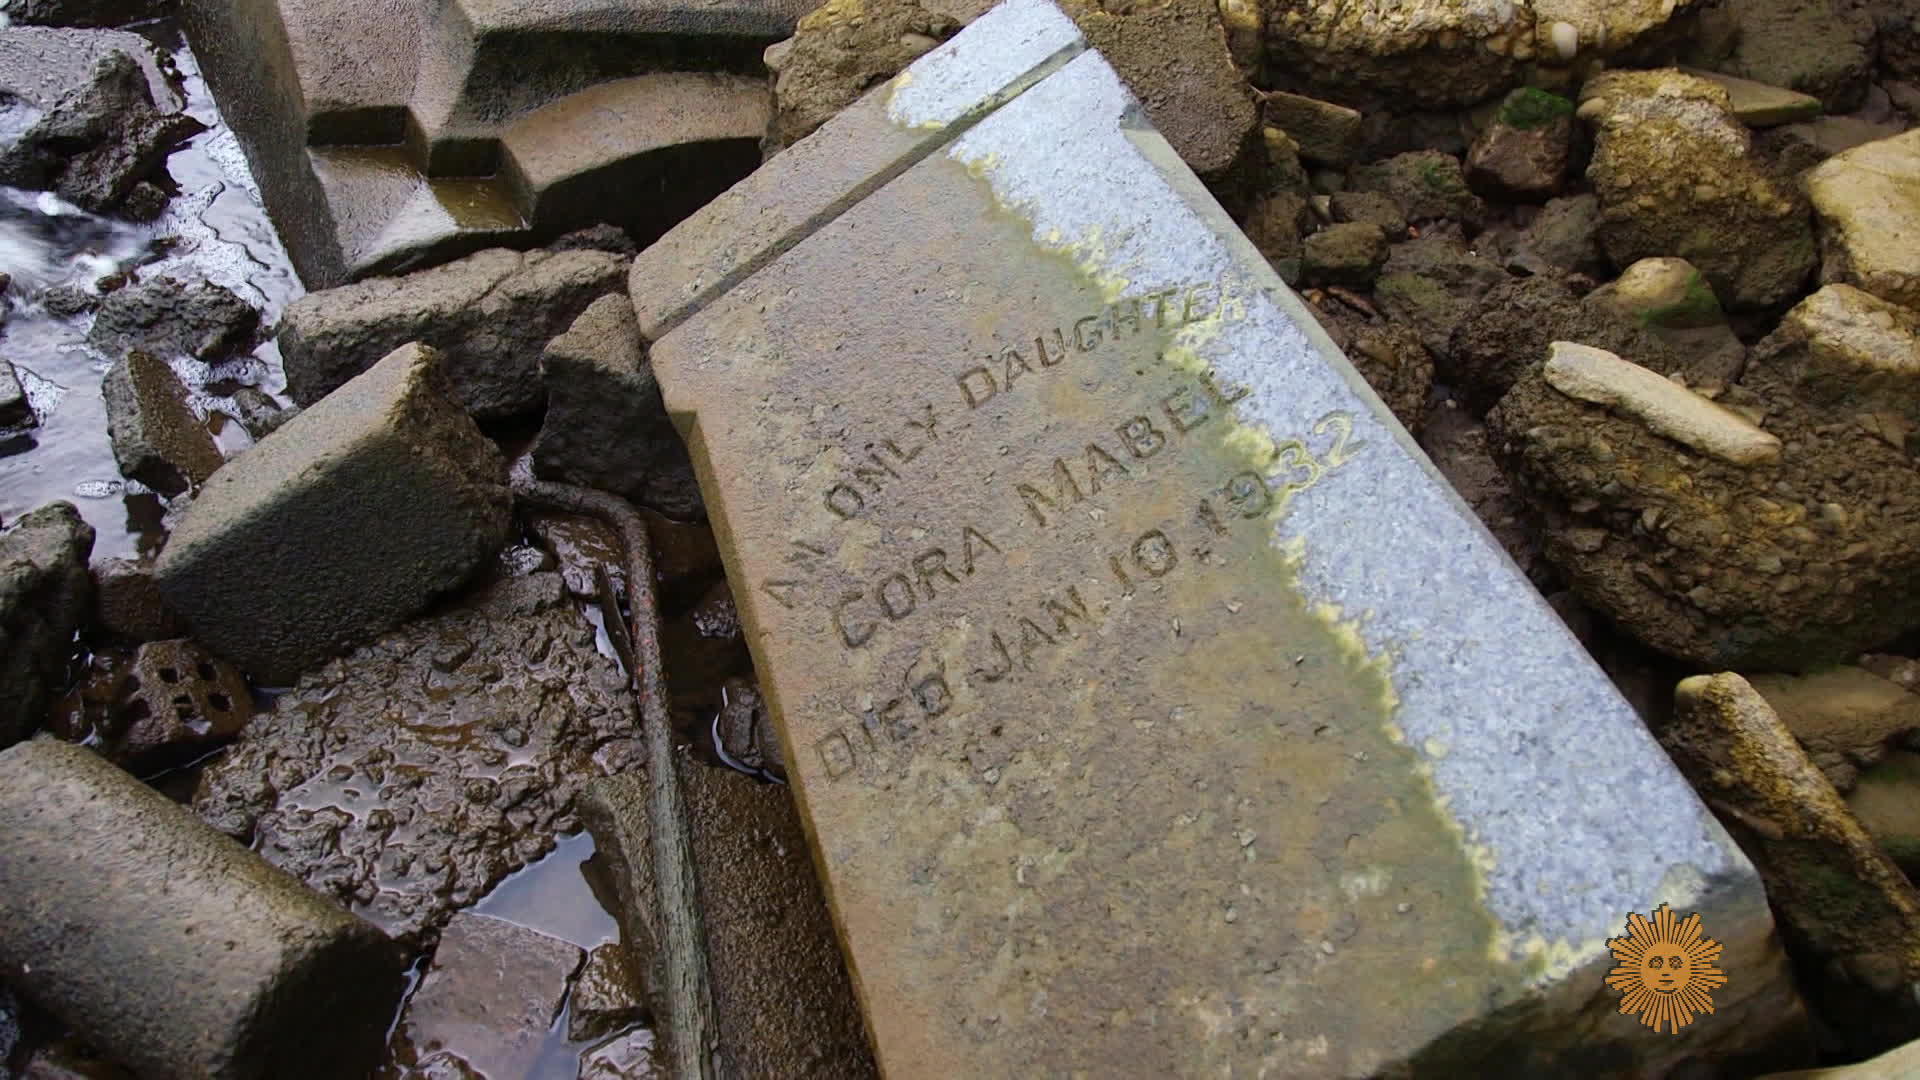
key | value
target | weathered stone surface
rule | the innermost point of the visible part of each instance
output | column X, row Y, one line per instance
column 1427, row 185
column 1564, row 236
column 171, row 702
column 783, row 1002
column 606, row 997
column 127, row 602
column 1758, row 105
column 1346, row 254
column 44, row 597
column 1432, row 283
column 171, row 318
column 490, row 314
column 1673, row 301
column 486, row 1004
column 1677, row 175
column 157, row 439
column 1846, row 718
column 1885, row 797
column 466, row 125
column 605, row 427
column 623, row 1057
column 1372, row 208
column 1868, row 200
column 1525, row 152
column 173, row 948
column 838, row 51
column 15, row 409
column 1845, row 908
column 1851, row 357
column 507, row 708
column 257, row 565
column 743, row 729
column 1814, row 46
column 83, row 13
column 1126, row 703
column 1327, row 134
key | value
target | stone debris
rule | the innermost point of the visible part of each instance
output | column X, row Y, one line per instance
column 1350, row 254
column 606, row 998
column 838, row 51
column 1867, row 199
column 284, row 983
column 1847, row 719
column 901, row 388
column 1820, row 49
column 127, row 602
column 1327, row 134
column 1674, row 302
column 1885, row 797
column 171, row 703
column 1758, row 105
column 605, row 427
column 486, row 1004
column 15, row 410
column 1845, row 908
column 1850, row 357
column 1427, row 185
column 45, row 596
column 1598, row 376
column 171, row 318
column 157, row 438
column 1524, row 154
column 409, row 777
column 490, row 314
column 257, row 565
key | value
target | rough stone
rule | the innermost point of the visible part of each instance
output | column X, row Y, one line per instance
column 743, row 728
column 1677, row 175
column 1525, row 152
column 283, row 983
column 782, row 998
column 1846, row 910
column 45, row 595
column 1758, row 105
column 1278, row 223
column 1427, row 184
column 623, row 1057
column 1852, row 358
column 1388, row 355
column 1564, row 236
column 606, row 997
column 1817, row 47
column 605, row 427
column 838, row 51
column 1885, row 799
column 156, row 437
column 171, row 318
column 1868, row 201
column 1665, row 407
column 127, row 602
column 477, row 124
column 507, row 709
column 1432, row 283
column 1458, row 445
column 260, row 414
column 1350, row 254
column 1846, row 718
column 15, row 409
column 686, row 561
column 488, row 1000
column 171, row 703
column 83, row 13
column 1327, row 134
column 1372, row 208
column 958, row 754
column 490, row 314
column 256, row 566
column 41, row 65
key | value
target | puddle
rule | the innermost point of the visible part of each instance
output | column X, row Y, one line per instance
column 218, row 232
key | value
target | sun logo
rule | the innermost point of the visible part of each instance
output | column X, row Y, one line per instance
column 1665, row 969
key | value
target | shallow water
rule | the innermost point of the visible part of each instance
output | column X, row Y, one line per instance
column 220, row 233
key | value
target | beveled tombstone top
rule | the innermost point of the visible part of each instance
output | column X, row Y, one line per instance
column 1154, row 706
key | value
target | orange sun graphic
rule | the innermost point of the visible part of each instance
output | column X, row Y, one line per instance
column 1665, row 969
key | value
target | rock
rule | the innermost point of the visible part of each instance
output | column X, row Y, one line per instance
column 1563, row 236
column 1784, row 566
column 40, row 66
column 1348, row 254
column 127, row 602
column 83, row 13
column 1896, row 1064
column 1673, row 301
column 839, row 51
column 172, row 703
column 686, row 560
column 156, row 437
column 1370, row 208
column 283, row 983
column 743, row 730
column 1847, row 913
column 1441, row 54
column 98, row 141
column 15, row 409
column 488, row 1000
column 601, row 237
column 507, row 709
column 1676, row 175
column 780, row 987
column 1885, row 797
column 1523, row 155
column 1868, row 200
column 68, row 301
column 1457, row 444
column 1598, row 376
column 260, row 414
column 1327, row 134
column 1846, row 718
column 1277, row 223
column 490, row 314
column 1795, row 148
column 1817, row 47
column 44, row 600
column 1432, row 282
column 1849, row 357
column 623, row 1057
column 1511, row 329
column 606, row 997
column 605, row 427
column 256, row 565
column 1758, row 105
column 1427, row 185
column 170, row 318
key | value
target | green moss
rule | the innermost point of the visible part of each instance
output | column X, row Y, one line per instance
column 1527, row 108
column 1438, row 177
column 1697, row 307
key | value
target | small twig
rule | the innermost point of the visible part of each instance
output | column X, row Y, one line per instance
column 1353, row 300
column 692, row 1033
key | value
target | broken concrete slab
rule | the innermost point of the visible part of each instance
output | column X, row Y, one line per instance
column 1099, row 601
column 490, row 314
column 257, row 566
column 170, row 946
column 456, row 127
column 45, row 595
column 156, row 437
column 487, row 1002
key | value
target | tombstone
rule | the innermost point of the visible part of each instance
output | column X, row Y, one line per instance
column 387, row 134
column 1154, row 706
